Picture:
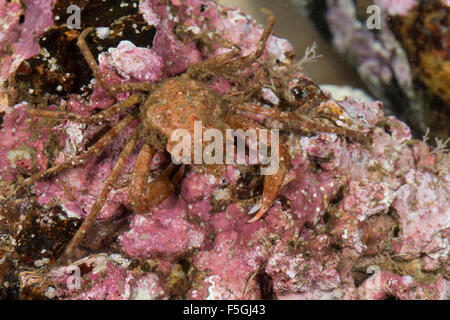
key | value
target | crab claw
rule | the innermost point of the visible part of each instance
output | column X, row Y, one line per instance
column 154, row 194
column 272, row 184
column 157, row 191
column 143, row 195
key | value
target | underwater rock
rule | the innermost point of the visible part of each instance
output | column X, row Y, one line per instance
column 405, row 63
column 154, row 235
column 384, row 285
column 423, row 227
column 22, row 22
column 345, row 205
column 97, row 277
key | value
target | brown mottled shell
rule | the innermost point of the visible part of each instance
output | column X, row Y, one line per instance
column 178, row 103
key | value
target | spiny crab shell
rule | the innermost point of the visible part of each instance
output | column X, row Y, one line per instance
column 178, row 104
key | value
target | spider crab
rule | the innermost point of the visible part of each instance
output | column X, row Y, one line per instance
column 172, row 104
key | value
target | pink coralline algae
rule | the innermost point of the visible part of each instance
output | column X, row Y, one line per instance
column 153, row 235
column 19, row 151
column 198, row 186
column 399, row 49
column 365, row 198
column 384, row 285
column 353, row 220
column 424, row 227
column 18, row 40
column 239, row 247
column 131, row 62
column 400, row 7
column 307, row 276
column 377, row 66
column 104, row 277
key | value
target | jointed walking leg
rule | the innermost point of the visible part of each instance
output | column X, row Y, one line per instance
column 81, row 158
column 300, row 122
column 102, row 116
column 100, row 202
column 228, row 62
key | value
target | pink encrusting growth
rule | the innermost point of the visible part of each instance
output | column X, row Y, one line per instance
column 236, row 247
column 383, row 285
column 312, row 276
column 19, row 150
column 337, row 191
column 18, row 41
column 399, row 7
column 102, row 277
column 153, row 235
column 134, row 63
column 424, row 228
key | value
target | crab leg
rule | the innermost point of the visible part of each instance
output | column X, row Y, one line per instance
column 261, row 46
column 105, row 115
column 81, row 158
column 100, row 202
column 144, row 195
column 125, row 87
column 213, row 66
column 300, row 122
column 139, row 179
column 228, row 62
column 242, row 62
column 272, row 183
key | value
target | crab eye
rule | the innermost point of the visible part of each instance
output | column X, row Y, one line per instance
column 304, row 91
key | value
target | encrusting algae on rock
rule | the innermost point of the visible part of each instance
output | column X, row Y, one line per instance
column 400, row 49
column 353, row 219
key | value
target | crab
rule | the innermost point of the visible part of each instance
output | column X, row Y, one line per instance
column 175, row 103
